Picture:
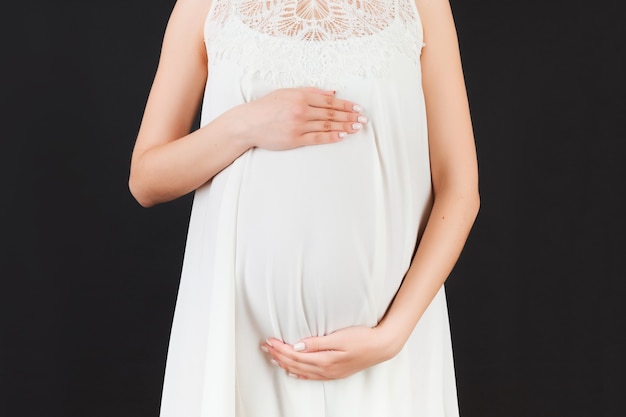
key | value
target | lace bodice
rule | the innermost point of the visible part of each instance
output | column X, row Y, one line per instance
column 312, row 42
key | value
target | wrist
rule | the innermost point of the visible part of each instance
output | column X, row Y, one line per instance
column 390, row 342
column 240, row 131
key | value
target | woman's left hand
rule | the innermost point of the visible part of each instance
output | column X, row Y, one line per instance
column 337, row 355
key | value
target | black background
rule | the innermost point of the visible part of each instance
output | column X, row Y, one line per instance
column 89, row 279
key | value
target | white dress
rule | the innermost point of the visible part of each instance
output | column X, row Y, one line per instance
column 298, row 243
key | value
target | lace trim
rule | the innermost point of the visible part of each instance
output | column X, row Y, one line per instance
column 313, row 42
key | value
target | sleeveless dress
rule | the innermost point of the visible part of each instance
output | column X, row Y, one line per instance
column 298, row 243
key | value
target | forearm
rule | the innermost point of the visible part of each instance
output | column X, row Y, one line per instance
column 170, row 170
column 284, row 119
column 450, row 221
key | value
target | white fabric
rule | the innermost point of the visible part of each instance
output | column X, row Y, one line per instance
column 304, row 242
column 314, row 42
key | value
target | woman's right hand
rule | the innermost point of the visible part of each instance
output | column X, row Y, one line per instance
column 293, row 117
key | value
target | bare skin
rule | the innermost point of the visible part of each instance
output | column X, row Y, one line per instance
column 169, row 162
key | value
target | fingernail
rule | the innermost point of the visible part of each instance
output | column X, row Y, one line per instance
column 299, row 347
column 273, row 362
column 264, row 349
column 268, row 342
column 292, row 375
column 362, row 119
column 341, row 134
column 356, row 126
column 356, row 107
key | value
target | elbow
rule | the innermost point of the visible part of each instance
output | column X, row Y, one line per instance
column 465, row 199
column 139, row 181
column 475, row 203
column 471, row 207
column 139, row 192
column 470, row 198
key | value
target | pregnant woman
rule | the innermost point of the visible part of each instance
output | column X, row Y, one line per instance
column 335, row 182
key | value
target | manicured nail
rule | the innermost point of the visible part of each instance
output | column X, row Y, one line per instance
column 292, row 375
column 356, row 126
column 299, row 347
column 264, row 349
column 362, row 119
column 341, row 134
column 356, row 107
column 268, row 342
column 273, row 362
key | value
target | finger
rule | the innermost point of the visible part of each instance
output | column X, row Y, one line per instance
column 272, row 341
column 291, row 366
column 328, row 126
column 319, row 91
column 332, row 102
column 271, row 345
column 320, row 359
column 320, row 365
column 304, row 370
column 319, row 344
column 317, row 113
column 329, row 365
column 319, row 138
column 280, row 350
column 312, row 376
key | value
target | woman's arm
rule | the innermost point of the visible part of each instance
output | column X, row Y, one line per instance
column 456, row 201
column 170, row 110
column 169, row 162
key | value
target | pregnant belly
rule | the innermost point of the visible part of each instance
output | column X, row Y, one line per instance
column 313, row 252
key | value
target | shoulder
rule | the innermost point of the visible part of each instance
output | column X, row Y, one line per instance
column 190, row 15
column 434, row 13
column 438, row 25
column 185, row 28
